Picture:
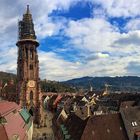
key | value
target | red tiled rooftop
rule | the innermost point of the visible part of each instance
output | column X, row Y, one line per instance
column 6, row 107
column 14, row 122
column 3, row 135
column 15, row 125
column 137, row 133
column 105, row 127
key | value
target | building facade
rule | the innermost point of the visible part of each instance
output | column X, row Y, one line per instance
column 15, row 123
column 28, row 66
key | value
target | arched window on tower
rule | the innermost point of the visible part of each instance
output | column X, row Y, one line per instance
column 20, row 54
column 31, row 96
column 31, row 99
column 31, row 54
column 31, row 67
column 26, row 53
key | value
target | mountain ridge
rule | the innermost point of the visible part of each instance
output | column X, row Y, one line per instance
column 119, row 83
column 116, row 83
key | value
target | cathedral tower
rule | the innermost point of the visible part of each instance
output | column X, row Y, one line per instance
column 28, row 66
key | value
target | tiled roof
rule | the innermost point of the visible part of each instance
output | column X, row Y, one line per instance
column 3, row 135
column 75, row 126
column 78, row 98
column 11, row 121
column 62, row 117
column 105, row 127
column 127, row 104
column 25, row 115
column 6, row 107
column 131, row 118
column 15, row 125
column 137, row 133
column 82, row 112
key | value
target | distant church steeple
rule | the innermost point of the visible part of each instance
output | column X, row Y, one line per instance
column 91, row 88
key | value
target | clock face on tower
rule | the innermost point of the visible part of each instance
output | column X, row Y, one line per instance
column 31, row 83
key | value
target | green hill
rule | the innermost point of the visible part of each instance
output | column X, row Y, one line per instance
column 46, row 86
column 125, row 83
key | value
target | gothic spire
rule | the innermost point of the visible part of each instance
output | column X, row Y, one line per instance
column 26, row 26
column 28, row 10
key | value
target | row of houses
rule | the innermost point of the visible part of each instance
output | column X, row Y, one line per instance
column 95, row 116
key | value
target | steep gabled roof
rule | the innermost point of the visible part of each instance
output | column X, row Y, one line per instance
column 12, row 122
column 25, row 115
column 131, row 119
column 7, row 107
column 105, row 127
column 75, row 126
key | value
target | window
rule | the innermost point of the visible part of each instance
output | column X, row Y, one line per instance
column 15, row 111
column 31, row 67
column 2, row 120
column 108, row 130
column 31, row 54
column 26, row 53
column 15, row 137
column 93, row 132
column 134, row 123
column 31, row 95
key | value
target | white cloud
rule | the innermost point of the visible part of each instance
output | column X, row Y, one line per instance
column 11, row 11
column 119, row 8
column 8, row 60
column 96, row 36
column 104, row 50
column 92, row 34
column 55, row 68
column 133, row 24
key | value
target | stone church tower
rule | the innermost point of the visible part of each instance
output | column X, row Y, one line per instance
column 28, row 66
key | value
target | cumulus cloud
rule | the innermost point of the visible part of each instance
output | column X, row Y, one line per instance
column 131, row 38
column 133, row 24
column 103, row 49
column 107, row 51
column 133, row 68
column 11, row 12
column 93, row 34
column 120, row 8
column 55, row 68
column 8, row 59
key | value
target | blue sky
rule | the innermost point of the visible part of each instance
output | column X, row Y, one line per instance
column 77, row 37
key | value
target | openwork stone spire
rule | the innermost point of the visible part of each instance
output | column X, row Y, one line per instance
column 28, row 10
column 26, row 26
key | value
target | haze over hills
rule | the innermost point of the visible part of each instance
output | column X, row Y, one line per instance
column 124, row 83
column 46, row 85
column 5, row 77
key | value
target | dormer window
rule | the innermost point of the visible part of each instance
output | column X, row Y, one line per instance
column 134, row 124
column 15, row 111
column 15, row 137
column 2, row 120
column 108, row 130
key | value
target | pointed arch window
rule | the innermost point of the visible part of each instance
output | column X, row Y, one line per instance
column 31, row 96
column 31, row 67
column 31, row 54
